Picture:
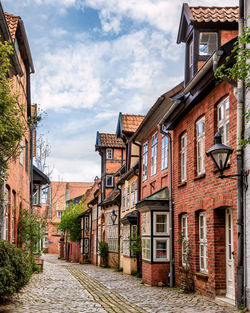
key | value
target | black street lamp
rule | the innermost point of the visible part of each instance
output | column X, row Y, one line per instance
column 220, row 154
column 113, row 216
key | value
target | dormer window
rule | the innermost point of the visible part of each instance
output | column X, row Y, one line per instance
column 208, row 43
column 109, row 154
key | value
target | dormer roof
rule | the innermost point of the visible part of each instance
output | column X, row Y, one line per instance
column 128, row 123
column 108, row 141
column 203, row 15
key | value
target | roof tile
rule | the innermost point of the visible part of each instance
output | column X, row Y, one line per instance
column 131, row 122
column 110, row 140
column 215, row 14
column 12, row 21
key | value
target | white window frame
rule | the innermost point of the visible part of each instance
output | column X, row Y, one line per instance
column 165, row 259
column 124, row 199
column 184, row 243
column 155, row 223
column 145, row 249
column 145, row 161
column 154, row 154
column 128, row 198
column 109, row 154
column 203, row 242
column 184, row 157
column 164, row 152
column 86, row 222
column 59, row 214
column 223, row 110
column 21, row 152
column 190, row 53
column 107, row 177
column 200, row 145
column 209, row 33
column 85, row 245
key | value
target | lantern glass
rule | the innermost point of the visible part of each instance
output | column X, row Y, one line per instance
column 220, row 157
column 113, row 216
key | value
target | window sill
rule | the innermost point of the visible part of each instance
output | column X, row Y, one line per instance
column 182, row 184
column 200, row 176
column 201, row 275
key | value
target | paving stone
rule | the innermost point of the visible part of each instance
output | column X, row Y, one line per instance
column 73, row 288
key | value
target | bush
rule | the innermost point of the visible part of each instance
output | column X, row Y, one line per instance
column 15, row 269
column 103, row 249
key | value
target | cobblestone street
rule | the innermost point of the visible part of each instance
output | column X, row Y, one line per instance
column 68, row 288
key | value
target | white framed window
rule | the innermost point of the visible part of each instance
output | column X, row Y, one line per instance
column 21, row 153
column 86, row 222
column 164, row 152
column 37, row 195
column 223, row 120
column 208, row 43
column 145, row 161
column 146, row 249
column 85, row 246
column 200, row 145
column 109, row 154
column 203, row 241
column 124, row 199
column 161, row 249
column 190, row 53
column 128, row 198
column 59, row 214
column 184, row 242
column 67, row 193
column 154, row 154
column 109, row 181
column 134, row 193
column 161, row 223
column 184, row 157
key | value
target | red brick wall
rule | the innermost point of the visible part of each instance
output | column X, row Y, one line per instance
column 227, row 35
column 152, row 274
column 75, row 250
column 206, row 192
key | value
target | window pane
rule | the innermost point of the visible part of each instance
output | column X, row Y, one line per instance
column 208, row 43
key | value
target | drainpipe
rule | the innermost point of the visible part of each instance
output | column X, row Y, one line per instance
column 239, row 153
column 119, row 224
column 171, row 216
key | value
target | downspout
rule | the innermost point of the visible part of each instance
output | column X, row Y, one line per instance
column 239, row 154
column 171, row 216
column 90, row 235
column 119, row 224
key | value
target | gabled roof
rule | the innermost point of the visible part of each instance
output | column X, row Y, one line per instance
column 202, row 14
column 128, row 123
column 108, row 141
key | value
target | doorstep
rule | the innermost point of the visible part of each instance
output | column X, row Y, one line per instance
column 227, row 300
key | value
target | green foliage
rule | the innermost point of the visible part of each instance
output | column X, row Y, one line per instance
column 14, row 269
column 70, row 221
column 135, row 248
column 241, row 66
column 12, row 126
column 103, row 249
column 31, row 229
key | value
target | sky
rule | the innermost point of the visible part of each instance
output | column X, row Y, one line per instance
column 94, row 59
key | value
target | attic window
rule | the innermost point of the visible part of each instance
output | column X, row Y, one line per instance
column 208, row 43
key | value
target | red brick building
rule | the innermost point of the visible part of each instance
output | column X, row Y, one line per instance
column 18, row 186
column 205, row 208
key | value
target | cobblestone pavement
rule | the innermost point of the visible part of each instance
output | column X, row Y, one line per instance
column 64, row 288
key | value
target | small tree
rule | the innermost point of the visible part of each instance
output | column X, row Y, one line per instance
column 103, row 249
column 136, row 249
column 70, row 221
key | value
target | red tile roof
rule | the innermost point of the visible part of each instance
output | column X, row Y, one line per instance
column 131, row 122
column 215, row 14
column 12, row 22
column 110, row 140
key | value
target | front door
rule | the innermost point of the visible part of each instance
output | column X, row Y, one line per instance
column 229, row 255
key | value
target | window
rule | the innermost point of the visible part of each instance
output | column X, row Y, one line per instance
column 161, row 223
column 21, row 153
column 59, row 214
column 86, row 223
column 67, row 193
column 128, row 198
column 154, row 154
column 203, row 241
column 124, row 199
column 190, row 54
column 223, row 120
column 146, row 250
column 86, row 246
column 164, row 152
column 161, row 249
column 36, row 195
column 109, row 181
column 13, row 215
column 134, row 193
column 200, row 145
column 109, row 154
column 26, row 156
column 208, row 43
column 184, row 232
column 45, row 195
column 145, row 161
column 184, row 157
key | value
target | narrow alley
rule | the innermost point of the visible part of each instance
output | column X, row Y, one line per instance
column 73, row 288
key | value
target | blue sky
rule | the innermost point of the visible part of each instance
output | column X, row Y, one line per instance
column 93, row 59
